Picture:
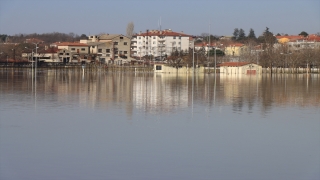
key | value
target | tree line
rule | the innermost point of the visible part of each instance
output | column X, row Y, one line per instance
column 48, row 38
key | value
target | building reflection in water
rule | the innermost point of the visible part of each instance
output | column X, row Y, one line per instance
column 163, row 93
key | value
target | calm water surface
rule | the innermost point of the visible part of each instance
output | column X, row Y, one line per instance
column 67, row 125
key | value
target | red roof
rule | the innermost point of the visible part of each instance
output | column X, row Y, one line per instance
column 162, row 33
column 233, row 64
column 313, row 37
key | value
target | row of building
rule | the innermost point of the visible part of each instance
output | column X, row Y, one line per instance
column 155, row 44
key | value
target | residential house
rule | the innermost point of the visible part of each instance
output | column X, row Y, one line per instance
column 206, row 47
column 297, row 42
column 235, row 49
column 72, row 52
column 159, row 43
column 110, row 48
column 48, row 55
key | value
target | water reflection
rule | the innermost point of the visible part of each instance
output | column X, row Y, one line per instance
column 163, row 93
column 74, row 125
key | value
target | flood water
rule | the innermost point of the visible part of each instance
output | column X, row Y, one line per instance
column 69, row 125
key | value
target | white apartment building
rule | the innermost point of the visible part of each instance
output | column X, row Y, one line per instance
column 159, row 43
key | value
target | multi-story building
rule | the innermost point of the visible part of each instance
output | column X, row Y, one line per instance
column 297, row 42
column 110, row 48
column 72, row 52
column 158, row 43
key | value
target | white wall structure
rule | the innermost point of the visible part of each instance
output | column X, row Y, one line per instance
column 164, row 68
column 159, row 43
column 240, row 68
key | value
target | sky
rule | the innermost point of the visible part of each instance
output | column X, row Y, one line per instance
column 193, row 17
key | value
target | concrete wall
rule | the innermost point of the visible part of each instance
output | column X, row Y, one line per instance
column 163, row 68
column 253, row 68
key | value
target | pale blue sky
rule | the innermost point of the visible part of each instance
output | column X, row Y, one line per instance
column 191, row 16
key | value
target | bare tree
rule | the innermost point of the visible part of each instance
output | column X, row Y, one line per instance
column 130, row 28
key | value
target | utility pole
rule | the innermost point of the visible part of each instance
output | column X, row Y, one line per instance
column 209, row 45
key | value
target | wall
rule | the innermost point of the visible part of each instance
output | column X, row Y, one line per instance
column 181, row 70
column 241, row 69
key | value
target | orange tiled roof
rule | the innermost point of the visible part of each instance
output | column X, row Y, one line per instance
column 291, row 38
column 163, row 33
column 313, row 37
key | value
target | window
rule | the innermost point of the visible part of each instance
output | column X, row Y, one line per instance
column 125, row 43
column 99, row 50
column 154, row 42
column 139, row 37
column 107, row 50
column 83, row 49
column 174, row 37
column 125, row 52
column 121, row 37
column 107, row 55
column 115, row 43
column 60, row 53
column 73, row 49
column 154, row 37
column 158, row 68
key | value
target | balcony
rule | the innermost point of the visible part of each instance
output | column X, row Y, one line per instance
column 134, row 39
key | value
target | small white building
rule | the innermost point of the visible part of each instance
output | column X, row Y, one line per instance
column 240, row 68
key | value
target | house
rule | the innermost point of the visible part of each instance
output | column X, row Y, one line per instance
column 297, row 42
column 72, row 52
column 110, row 48
column 47, row 55
column 235, row 49
column 159, row 43
column 206, row 47
column 240, row 68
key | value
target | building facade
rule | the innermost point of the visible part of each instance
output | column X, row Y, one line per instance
column 158, row 43
column 110, row 48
